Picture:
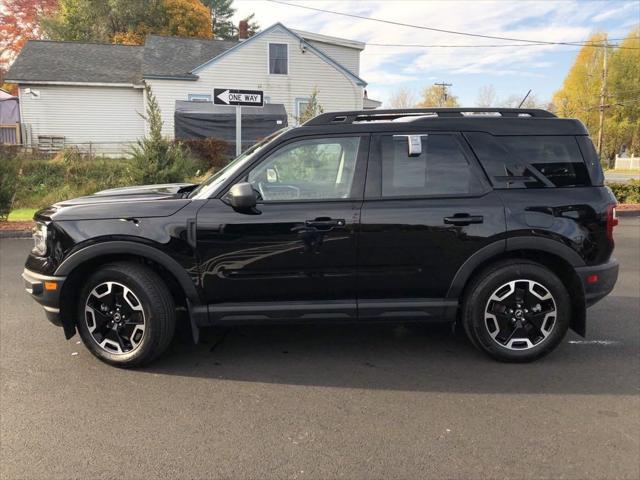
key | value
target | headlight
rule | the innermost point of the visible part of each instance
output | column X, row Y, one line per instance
column 39, row 239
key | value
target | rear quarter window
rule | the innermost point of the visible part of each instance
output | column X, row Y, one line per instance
column 534, row 161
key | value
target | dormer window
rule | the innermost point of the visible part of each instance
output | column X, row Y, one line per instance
column 278, row 59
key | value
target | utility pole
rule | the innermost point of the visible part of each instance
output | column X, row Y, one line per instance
column 444, row 91
column 603, row 97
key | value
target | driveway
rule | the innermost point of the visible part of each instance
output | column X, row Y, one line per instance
column 322, row 402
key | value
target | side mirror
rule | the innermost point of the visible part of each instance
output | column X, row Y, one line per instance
column 242, row 196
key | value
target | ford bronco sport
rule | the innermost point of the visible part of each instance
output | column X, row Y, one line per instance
column 496, row 219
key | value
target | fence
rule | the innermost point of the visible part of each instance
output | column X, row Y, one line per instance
column 10, row 134
column 627, row 163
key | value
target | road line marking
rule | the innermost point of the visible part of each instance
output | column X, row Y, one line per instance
column 593, row 342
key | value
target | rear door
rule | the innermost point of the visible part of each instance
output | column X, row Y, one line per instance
column 423, row 216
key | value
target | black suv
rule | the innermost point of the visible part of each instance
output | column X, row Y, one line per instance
column 496, row 219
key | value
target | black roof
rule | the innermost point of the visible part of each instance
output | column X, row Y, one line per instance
column 160, row 56
column 49, row 61
column 176, row 57
column 496, row 121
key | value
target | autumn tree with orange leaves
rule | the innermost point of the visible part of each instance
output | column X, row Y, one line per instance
column 19, row 22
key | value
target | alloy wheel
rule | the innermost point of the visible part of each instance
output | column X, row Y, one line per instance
column 115, row 318
column 520, row 314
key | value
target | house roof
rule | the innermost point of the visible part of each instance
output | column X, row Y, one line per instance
column 49, row 61
column 177, row 57
column 343, row 42
column 159, row 57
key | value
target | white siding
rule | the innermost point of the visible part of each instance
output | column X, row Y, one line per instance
column 347, row 57
column 247, row 68
column 106, row 117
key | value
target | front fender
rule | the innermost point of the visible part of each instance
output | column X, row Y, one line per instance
column 91, row 252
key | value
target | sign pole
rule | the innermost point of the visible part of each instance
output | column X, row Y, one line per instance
column 238, row 130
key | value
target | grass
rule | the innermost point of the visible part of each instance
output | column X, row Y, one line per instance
column 21, row 214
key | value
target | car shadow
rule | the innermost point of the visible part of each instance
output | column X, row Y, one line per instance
column 411, row 357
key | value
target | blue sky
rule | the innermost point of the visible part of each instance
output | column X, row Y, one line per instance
column 511, row 70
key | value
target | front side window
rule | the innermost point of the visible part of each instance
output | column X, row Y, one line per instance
column 278, row 59
column 440, row 169
column 319, row 169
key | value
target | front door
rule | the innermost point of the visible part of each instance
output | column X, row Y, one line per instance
column 294, row 257
column 425, row 212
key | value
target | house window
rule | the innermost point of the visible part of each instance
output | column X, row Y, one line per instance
column 199, row 97
column 278, row 58
column 301, row 106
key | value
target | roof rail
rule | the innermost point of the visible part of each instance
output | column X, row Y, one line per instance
column 393, row 114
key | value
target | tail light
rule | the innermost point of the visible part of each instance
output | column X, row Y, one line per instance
column 612, row 221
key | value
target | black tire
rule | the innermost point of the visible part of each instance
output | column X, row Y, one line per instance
column 477, row 303
column 151, row 294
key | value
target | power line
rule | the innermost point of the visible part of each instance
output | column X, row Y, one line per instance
column 441, row 30
column 419, row 45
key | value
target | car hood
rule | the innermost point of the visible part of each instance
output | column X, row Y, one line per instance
column 127, row 202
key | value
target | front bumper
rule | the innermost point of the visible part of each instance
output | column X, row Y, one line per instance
column 45, row 290
column 598, row 280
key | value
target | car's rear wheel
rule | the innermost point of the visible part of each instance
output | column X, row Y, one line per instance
column 126, row 314
column 517, row 311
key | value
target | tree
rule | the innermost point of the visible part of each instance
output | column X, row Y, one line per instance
column 515, row 101
column 437, row 96
column 623, row 115
column 580, row 90
column 125, row 21
column 222, row 25
column 579, row 96
column 312, row 109
column 19, row 22
column 187, row 18
column 487, row 97
column 155, row 158
column 402, row 98
column 222, row 13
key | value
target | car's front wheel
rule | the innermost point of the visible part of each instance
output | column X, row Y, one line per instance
column 517, row 311
column 126, row 314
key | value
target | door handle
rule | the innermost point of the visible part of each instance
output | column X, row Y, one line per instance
column 325, row 223
column 462, row 219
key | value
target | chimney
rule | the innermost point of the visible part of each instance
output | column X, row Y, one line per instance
column 243, row 30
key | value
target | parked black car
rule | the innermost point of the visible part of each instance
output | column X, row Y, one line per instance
column 494, row 218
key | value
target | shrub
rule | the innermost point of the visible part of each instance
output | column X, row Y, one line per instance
column 155, row 158
column 626, row 192
column 213, row 153
column 9, row 170
column 67, row 175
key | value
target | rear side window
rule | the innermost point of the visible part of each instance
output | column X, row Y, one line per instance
column 530, row 161
column 440, row 169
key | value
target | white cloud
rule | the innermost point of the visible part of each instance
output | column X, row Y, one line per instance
column 570, row 20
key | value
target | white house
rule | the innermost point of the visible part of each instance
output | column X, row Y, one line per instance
column 89, row 93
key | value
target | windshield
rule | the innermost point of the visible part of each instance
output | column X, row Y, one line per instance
column 210, row 186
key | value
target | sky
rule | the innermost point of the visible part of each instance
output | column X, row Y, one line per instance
column 512, row 70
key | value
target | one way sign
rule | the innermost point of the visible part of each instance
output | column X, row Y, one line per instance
column 247, row 98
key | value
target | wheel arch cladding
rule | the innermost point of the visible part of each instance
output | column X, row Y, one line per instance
column 78, row 266
column 559, row 261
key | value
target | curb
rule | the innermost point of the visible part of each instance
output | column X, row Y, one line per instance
column 15, row 234
column 628, row 213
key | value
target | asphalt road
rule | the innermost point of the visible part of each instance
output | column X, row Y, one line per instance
column 322, row 402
